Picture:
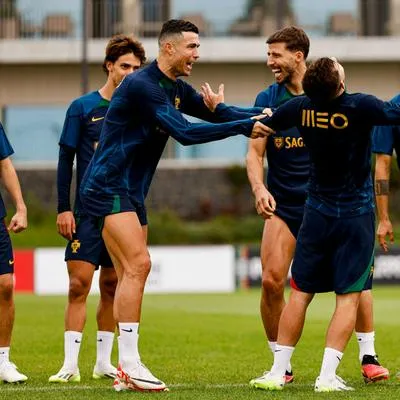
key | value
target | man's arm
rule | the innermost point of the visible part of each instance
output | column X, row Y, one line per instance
column 382, row 188
column 264, row 201
column 223, row 112
column 154, row 100
column 65, row 218
column 208, row 106
column 68, row 143
column 19, row 221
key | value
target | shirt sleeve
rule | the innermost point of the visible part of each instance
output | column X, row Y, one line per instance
column 379, row 112
column 225, row 112
column 193, row 104
column 382, row 139
column 285, row 116
column 5, row 147
column 64, row 177
column 72, row 125
column 155, row 102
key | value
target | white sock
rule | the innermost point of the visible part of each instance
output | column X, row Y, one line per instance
column 366, row 344
column 282, row 358
column 128, row 344
column 104, row 347
column 4, row 354
column 272, row 346
column 72, row 345
column 330, row 363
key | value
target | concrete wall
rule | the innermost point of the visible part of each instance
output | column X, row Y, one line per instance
column 60, row 83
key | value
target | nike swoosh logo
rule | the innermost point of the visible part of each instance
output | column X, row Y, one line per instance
column 338, row 358
column 145, row 380
column 11, row 262
column 99, row 340
column 77, row 341
column 94, row 119
column 127, row 330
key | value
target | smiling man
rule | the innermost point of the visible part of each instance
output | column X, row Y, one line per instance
column 281, row 199
column 85, row 250
column 145, row 110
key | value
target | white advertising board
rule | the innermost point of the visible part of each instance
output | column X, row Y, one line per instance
column 175, row 269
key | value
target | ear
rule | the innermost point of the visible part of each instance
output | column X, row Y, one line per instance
column 299, row 56
column 109, row 66
column 169, row 48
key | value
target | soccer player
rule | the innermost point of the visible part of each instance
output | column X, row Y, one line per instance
column 8, row 371
column 385, row 139
column 86, row 251
column 282, row 204
column 145, row 110
column 335, row 245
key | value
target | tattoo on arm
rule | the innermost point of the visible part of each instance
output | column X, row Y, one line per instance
column 381, row 187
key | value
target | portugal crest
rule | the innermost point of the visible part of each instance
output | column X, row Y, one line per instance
column 177, row 102
column 278, row 142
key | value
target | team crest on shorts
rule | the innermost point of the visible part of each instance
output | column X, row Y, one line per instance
column 177, row 102
column 278, row 142
column 75, row 246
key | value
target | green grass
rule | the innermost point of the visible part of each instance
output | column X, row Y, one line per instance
column 204, row 346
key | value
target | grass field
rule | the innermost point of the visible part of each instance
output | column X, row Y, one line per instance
column 204, row 346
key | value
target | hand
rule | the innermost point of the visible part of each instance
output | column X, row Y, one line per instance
column 260, row 130
column 385, row 229
column 267, row 111
column 66, row 224
column 264, row 202
column 210, row 98
column 19, row 221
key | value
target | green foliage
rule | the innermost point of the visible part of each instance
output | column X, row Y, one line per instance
column 237, row 177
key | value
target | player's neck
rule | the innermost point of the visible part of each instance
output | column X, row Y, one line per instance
column 107, row 90
column 165, row 67
column 294, row 86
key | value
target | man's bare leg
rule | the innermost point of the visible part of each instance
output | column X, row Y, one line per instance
column 371, row 369
column 105, row 325
column 125, row 243
column 276, row 256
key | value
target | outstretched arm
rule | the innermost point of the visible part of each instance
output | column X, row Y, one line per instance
column 223, row 112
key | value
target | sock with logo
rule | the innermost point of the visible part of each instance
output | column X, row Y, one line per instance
column 128, row 344
column 282, row 358
column 4, row 354
column 72, row 345
column 272, row 346
column 105, row 341
column 330, row 362
column 366, row 344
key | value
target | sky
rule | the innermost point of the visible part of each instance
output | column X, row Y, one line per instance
column 219, row 12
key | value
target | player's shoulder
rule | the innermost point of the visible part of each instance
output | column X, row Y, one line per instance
column 269, row 95
column 84, row 102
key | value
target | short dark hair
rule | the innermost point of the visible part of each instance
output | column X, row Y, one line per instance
column 294, row 38
column 176, row 26
column 119, row 45
column 321, row 81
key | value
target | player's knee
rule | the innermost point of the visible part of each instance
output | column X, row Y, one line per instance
column 108, row 286
column 273, row 284
column 140, row 269
column 78, row 289
column 6, row 289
